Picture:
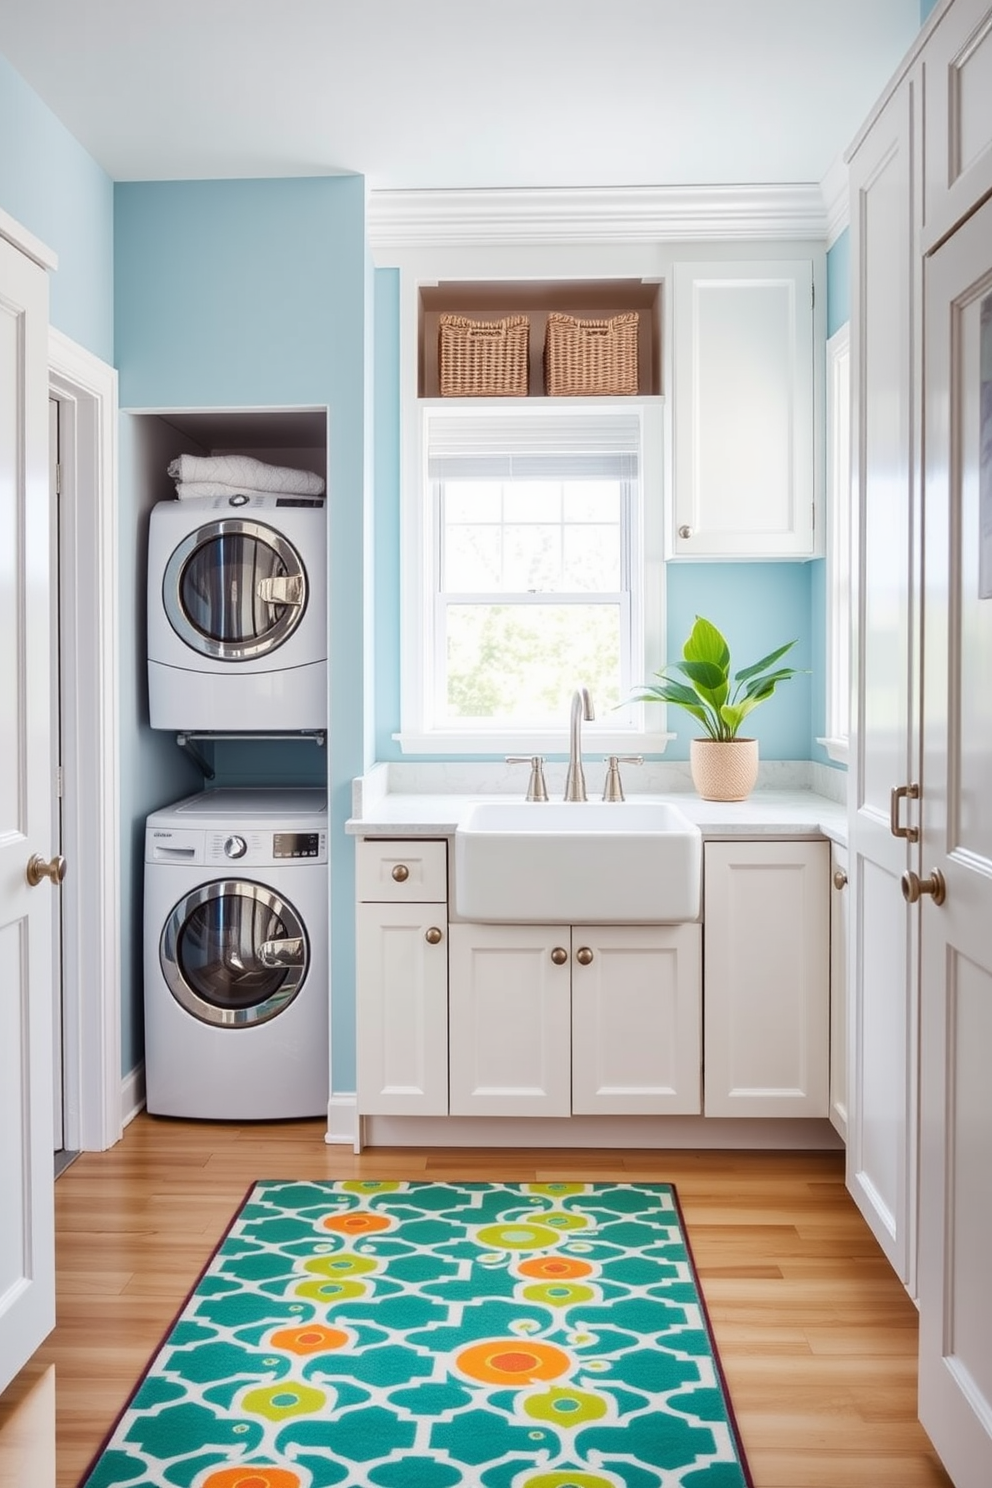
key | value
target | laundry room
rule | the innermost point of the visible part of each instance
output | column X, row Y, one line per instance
column 253, row 345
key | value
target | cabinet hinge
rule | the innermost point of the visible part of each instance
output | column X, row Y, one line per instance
column 812, row 296
column 59, row 782
column 58, row 479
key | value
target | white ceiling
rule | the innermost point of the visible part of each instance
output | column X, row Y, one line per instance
column 462, row 93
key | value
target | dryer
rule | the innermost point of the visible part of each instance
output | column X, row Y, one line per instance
column 236, row 952
column 237, row 613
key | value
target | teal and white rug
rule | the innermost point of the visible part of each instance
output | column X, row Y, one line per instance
column 430, row 1335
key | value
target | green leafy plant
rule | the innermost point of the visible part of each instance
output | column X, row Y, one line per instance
column 719, row 701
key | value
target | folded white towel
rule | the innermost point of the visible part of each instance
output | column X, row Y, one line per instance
column 242, row 473
column 185, row 489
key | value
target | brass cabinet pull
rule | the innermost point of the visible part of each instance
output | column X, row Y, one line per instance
column 840, row 878
column 897, row 794
column 559, row 955
column 583, row 955
column 401, row 873
column 433, row 936
column 914, row 887
column 39, row 868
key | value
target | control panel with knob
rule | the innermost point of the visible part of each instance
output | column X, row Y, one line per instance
column 235, row 847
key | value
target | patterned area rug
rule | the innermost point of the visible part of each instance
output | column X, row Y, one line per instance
column 428, row 1335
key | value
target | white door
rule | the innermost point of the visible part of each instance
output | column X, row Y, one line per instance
column 27, row 1265
column 956, row 935
column 882, row 1095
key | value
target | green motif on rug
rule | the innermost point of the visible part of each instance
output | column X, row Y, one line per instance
column 437, row 1335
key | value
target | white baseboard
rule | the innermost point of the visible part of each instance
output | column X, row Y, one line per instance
column 133, row 1093
column 597, row 1132
column 342, row 1115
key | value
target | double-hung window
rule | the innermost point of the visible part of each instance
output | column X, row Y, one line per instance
column 533, row 567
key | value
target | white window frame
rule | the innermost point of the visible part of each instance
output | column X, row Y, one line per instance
column 419, row 733
column 838, row 555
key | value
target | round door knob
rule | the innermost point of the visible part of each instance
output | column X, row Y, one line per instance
column 840, row 879
column 559, row 955
column 583, row 955
column 401, row 873
column 235, row 847
column 914, row 887
column 39, row 868
column 685, row 530
column 433, row 936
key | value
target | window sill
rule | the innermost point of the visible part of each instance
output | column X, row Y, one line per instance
column 446, row 743
column 837, row 749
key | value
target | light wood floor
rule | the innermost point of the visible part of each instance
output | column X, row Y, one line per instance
column 816, row 1335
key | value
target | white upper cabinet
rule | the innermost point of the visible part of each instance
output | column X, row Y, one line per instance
column 958, row 144
column 745, row 448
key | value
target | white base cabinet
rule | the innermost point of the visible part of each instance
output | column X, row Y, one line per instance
column 767, row 948
column 558, row 1020
column 401, row 958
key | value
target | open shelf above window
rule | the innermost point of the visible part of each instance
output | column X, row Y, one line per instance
column 587, row 299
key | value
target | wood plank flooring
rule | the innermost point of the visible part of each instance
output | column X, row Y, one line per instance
column 817, row 1336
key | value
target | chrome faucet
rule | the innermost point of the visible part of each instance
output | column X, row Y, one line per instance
column 575, row 780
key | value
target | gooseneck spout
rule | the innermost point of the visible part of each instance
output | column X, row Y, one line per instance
column 575, row 780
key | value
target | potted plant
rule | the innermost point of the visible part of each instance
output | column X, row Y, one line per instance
column 724, row 765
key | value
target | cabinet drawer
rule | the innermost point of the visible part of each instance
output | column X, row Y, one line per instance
column 403, row 871
column 958, row 109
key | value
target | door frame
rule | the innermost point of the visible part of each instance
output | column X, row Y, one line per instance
column 86, row 390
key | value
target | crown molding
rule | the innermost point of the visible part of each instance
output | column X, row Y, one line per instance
column 836, row 199
column 416, row 219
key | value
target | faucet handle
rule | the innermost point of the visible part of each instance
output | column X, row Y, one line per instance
column 536, row 788
column 612, row 786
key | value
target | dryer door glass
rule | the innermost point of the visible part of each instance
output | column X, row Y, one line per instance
column 235, row 590
column 234, row 953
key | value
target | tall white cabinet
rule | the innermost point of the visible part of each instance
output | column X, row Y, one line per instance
column 885, row 747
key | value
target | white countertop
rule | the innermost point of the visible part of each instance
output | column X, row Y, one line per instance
column 766, row 813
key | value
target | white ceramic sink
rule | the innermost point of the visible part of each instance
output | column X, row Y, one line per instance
column 592, row 862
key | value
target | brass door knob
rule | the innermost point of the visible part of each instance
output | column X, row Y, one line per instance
column 433, row 936
column 39, row 868
column 559, row 955
column 583, row 955
column 401, row 873
column 840, row 879
column 914, row 887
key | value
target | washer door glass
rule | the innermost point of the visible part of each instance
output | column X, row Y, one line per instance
column 235, row 590
column 234, row 953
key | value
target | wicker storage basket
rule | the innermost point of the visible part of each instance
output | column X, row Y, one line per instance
column 483, row 358
column 584, row 358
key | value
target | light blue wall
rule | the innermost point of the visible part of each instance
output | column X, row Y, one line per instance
column 839, row 282
column 926, row 6
column 58, row 192
column 253, row 294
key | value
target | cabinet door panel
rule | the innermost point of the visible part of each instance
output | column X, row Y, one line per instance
column 743, row 409
column 839, row 1021
column 766, row 995
column 636, row 1020
column 509, row 1019
column 402, row 1023
column 958, row 80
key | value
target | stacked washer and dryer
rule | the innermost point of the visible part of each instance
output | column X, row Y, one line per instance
column 236, row 915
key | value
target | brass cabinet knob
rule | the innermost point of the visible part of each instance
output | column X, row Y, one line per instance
column 583, row 955
column 39, row 868
column 401, row 873
column 559, row 955
column 914, row 887
column 433, row 936
column 840, row 879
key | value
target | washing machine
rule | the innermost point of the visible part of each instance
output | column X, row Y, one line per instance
column 236, row 947
column 237, row 613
